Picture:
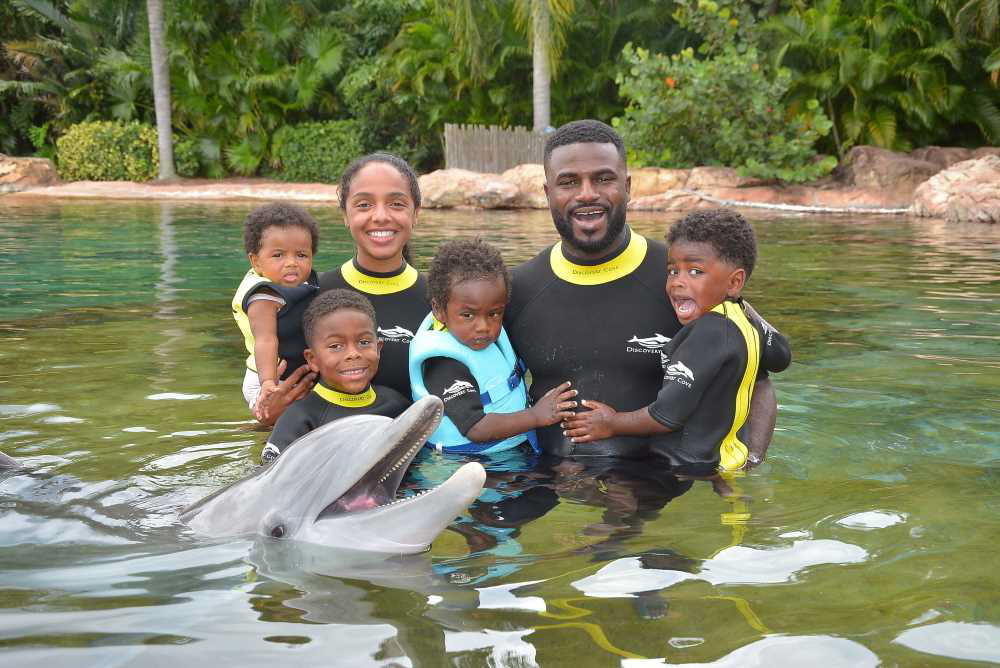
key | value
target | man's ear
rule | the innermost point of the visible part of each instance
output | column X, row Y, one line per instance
column 379, row 347
column 311, row 360
column 735, row 283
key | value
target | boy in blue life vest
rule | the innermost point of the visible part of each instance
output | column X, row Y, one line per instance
column 344, row 352
column 280, row 241
column 461, row 354
column 711, row 364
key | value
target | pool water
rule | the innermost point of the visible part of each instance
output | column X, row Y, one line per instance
column 866, row 538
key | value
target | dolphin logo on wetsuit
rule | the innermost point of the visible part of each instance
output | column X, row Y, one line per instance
column 656, row 341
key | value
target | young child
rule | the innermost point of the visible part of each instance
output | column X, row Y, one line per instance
column 344, row 352
column 461, row 353
column 711, row 365
column 280, row 241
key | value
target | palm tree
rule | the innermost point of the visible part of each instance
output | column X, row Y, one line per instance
column 161, row 87
column 545, row 23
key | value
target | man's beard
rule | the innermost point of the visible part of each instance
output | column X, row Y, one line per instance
column 616, row 223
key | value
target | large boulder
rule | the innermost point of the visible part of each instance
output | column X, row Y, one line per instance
column 897, row 174
column 671, row 200
column 968, row 190
column 530, row 182
column 448, row 188
column 942, row 156
column 17, row 174
column 656, row 180
column 705, row 178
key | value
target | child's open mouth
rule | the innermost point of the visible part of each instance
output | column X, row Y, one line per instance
column 684, row 307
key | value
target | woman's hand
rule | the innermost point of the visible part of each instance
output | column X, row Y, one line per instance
column 270, row 407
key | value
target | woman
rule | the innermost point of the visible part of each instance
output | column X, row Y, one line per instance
column 380, row 198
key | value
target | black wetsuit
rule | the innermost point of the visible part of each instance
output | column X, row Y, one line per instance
column 707, row 387
column 400, row 301
column 291, row 339
column 600, row 326
column 324, row 405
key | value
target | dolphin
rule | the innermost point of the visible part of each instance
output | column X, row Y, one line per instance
column 336, row 487
column 8, row 462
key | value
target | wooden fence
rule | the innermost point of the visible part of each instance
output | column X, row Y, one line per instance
column 490, row 149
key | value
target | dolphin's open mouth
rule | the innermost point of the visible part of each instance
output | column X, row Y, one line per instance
column 379, row 485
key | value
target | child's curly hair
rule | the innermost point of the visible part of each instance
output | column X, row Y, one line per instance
column 725, row 230
column 277, row 214
column 331, row 301
column 463, row 260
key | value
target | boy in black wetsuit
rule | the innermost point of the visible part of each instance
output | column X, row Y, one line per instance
column 711, row 364
column 344, row 351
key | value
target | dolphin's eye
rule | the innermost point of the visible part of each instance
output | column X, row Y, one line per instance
column 278, row 531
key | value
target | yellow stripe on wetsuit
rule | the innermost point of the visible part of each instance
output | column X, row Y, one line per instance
column 732, row 451
column 378, row 285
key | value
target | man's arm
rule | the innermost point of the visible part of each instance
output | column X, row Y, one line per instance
column 761, row 420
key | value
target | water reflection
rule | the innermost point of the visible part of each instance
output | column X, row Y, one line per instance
column 863, row 534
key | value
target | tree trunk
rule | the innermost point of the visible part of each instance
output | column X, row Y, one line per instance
column 161, row 87
column 540, row 76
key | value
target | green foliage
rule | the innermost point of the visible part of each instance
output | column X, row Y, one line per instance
column 108, row 151
column 186, row 157
column 891, row 73
column 317, row 152
column 684, row 111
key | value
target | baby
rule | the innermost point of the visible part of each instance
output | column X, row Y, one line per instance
column 280, row 241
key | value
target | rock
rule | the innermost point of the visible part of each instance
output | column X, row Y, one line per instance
column 968, row 190
column 17, row 174
column 530, row 181
column 655, row 180
column 942, row 156
column 672, row 200
column 895, row 173
column 447, row 188
column 702, row 178
column 983, row 151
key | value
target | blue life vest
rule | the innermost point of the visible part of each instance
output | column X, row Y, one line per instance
column 498, row 372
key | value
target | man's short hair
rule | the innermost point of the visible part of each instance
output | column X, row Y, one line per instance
column 587, row 131
column 725, row 230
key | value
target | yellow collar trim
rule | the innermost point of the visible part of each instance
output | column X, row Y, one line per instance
column 583, row 274
column 366, row 398
column 378, row 285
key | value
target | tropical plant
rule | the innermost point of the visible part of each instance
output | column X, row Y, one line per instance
column 888, row 72
column 161, row 87
column 686, row 111
column 108, row 151
column 317, row 151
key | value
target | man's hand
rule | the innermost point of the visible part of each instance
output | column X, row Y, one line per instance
column 591, row 425
column 270, row 407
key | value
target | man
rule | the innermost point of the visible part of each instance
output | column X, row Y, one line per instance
column 592, row 308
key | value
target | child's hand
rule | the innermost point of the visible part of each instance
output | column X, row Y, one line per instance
column 591, row 425
column 267, row 388
column 555, row 405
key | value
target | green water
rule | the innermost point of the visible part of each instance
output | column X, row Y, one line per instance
column 868, row 537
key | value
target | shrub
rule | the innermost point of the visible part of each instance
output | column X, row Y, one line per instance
column 725, row 110
column 186, row 160
column 317, row 151
column 108, row 151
